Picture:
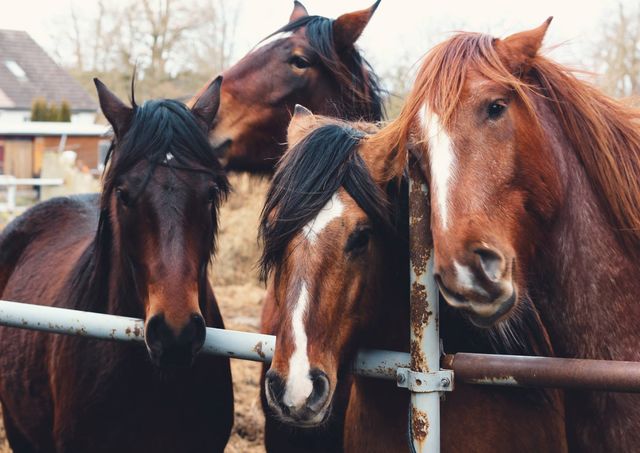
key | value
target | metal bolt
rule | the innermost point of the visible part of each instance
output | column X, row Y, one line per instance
column 400, row 378
column 445, row 382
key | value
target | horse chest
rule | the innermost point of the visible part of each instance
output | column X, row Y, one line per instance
column 108, row 397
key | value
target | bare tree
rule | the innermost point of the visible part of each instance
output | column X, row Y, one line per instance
column 175, row 46
column 617, row 53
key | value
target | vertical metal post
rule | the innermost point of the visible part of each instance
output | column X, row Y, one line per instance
column 424, row 413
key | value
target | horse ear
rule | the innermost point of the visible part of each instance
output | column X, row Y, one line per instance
column 116, row 112
column 206, row 106
column 299, row 11
column 301, row 122
column 519, row 49
column 348, row 27
column 381, row 154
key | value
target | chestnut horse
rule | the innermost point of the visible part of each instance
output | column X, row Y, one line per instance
column 312, row 61
column 336, row 253
column 535, row 190
column 140, row 249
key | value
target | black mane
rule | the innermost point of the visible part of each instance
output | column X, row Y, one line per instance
column 312, row 171
column 161, row 127
column 361, row 90
column 158, row 128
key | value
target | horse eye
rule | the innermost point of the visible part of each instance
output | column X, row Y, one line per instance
column 299, row 62
column 212, row 195
column 358, row 240
column 496, row 109
column 123, row 196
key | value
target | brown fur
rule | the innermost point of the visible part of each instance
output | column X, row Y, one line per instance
column 261, row 90
column 355, row 304
column 552, row 185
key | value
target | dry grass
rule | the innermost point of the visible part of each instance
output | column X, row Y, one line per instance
column 239, row 294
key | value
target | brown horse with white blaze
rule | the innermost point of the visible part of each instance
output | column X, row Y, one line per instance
column 312, row 61
column 141, row 249
column 535, row 183
column 335, row 232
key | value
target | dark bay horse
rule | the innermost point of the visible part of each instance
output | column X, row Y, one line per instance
column 335, row 257
column 139, row 249
column 311, row 61
column 535, row 183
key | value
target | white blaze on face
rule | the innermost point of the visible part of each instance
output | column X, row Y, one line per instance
column 299, row 385
column 330, row 211
column 442, row 161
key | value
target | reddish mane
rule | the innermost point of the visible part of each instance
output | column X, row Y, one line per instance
column 603, row 132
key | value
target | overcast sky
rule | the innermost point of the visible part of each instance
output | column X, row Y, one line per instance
column 400, row 30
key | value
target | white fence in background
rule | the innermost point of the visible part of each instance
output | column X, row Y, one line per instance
column 11, row 183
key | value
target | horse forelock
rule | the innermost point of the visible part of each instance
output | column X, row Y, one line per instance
column 307, row 178
column 163, row 132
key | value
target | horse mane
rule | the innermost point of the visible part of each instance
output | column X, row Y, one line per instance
column 603, row 132
column 306, row 179
column 159, row 128
column 361, row 89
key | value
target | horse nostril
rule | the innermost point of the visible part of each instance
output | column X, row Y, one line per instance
column 194, row 333
column 320, row 392
column 157, row 333
column 168, row 349
column 491, row 262
column 274, row 387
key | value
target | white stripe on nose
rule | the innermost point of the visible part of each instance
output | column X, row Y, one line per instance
column 442, row 161
column 331, row 210
column 299, row 385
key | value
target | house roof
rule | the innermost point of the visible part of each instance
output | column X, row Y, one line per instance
column 27, row 72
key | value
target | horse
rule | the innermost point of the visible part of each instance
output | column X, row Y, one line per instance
column 535, row 194
column 336, row 252
column 312, row 60
column 141, row 249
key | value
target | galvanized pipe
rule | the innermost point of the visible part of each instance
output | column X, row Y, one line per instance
column 525, row 371
column 424, row 413
column 230, row 343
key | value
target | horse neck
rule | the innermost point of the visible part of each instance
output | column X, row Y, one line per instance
column 390, row 329
column 587, row 282
column 111, row 285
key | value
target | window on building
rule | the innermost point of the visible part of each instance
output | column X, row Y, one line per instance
column 16, row 69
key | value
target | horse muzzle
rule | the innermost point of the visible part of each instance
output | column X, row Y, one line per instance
column 310, row 411
column 170, row 349
column 481, row 286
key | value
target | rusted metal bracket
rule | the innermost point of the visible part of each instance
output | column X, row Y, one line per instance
column 437, row 381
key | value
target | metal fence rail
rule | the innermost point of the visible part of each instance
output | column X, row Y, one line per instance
column 481, row 369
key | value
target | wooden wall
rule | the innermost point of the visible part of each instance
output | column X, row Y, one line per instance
column 86, row 147
column 18, row 157
column 23, row 156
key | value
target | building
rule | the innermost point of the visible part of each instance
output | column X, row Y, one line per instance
column 28, row 73
column 23, row 144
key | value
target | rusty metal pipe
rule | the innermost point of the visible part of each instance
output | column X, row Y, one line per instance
column 525, row 371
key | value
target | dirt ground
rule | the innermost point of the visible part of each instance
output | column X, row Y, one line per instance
column 239, row 292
